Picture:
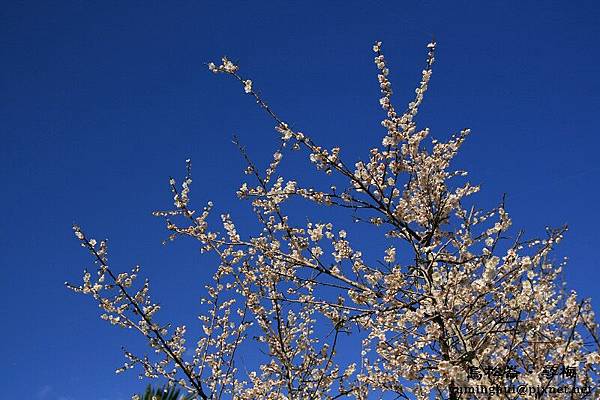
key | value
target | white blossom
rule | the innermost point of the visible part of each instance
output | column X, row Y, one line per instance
column 457, row 288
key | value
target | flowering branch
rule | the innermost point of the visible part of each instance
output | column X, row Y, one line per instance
column 451, row 292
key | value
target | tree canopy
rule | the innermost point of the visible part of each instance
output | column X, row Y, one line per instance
column 457, row 305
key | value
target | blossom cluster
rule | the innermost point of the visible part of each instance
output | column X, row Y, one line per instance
column 453, row 290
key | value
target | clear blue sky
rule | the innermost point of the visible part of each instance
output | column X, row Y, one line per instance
column 102, row 101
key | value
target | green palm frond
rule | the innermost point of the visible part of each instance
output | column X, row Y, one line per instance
column 164, row 393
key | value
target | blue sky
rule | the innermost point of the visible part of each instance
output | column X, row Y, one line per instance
column 103, row 101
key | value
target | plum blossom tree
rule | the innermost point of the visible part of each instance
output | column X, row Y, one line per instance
column 455, row 303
